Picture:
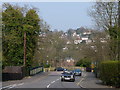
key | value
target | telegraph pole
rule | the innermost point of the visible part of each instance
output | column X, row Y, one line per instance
column 119, row 14
column 24, row 48
column 118, row 30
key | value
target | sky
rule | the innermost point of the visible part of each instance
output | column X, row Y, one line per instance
column 63, row 15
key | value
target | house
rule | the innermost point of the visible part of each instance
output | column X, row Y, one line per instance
column 86, row 32
column 77, row 41
column 69, row 62
column 68, row 42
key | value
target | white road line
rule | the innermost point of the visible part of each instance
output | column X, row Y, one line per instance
column 57, row 79
column 81, row 80
column 11, row 86
column 48, row 85
column 5, row 87
column 52, row 82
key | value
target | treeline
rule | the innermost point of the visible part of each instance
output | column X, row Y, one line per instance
column 16, row 21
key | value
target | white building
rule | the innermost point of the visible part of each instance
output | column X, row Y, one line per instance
column 88, row 41
column 68, row 42
column 87, row 32
column 85, row 38
column 77, row 41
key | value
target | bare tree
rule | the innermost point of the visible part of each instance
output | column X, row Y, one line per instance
column 105, row 14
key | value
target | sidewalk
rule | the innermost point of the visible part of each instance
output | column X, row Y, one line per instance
column 90, row 81
column 26, row 79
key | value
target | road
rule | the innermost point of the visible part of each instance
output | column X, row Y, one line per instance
column 52, row 80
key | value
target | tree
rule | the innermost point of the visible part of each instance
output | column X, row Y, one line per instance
column 85, row 62
column 15, row 23
column 12, row 33
column 105, row 14
column 33, row 28
column 106, row 17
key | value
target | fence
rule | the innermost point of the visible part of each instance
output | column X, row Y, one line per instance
column 69, row 68
column 35, row 70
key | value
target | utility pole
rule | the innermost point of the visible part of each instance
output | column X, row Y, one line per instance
column 119, row 14
column 24, row 48
column 118, row 30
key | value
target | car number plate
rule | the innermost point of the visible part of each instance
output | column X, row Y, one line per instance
column 67, row 78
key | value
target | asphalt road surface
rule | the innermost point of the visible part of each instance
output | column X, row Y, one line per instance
column 52, row 80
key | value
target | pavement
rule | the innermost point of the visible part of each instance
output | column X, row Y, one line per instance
column 53, row 80
column 90, row 81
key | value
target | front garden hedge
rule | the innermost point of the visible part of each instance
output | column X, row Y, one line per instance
column 110, row 72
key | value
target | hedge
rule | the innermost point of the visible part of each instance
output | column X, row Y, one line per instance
column 110, row 72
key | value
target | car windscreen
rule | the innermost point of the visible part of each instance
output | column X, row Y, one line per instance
column 67, row 73
column 77, row 70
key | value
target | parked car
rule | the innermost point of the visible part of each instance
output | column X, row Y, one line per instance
column 69, row 76
column 77, row 72
column 59, row 69
column 88, row 69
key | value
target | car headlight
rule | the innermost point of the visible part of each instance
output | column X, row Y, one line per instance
column 71, row 76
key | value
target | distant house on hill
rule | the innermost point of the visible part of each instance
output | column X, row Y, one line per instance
column 69, row 62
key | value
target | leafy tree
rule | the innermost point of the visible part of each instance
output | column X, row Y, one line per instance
column 12, row 35
column 15, row 23
column 85, row 62
column 32, row 29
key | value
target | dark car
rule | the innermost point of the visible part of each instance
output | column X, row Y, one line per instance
column 59, row 69
column 77, row 72
column 69, row 76
column 88, row 69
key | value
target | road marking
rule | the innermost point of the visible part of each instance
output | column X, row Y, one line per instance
column 81, row 80
column 11, row 86
column 6, row 87
column 52, row 82
column 57, row 79
column 48, row 85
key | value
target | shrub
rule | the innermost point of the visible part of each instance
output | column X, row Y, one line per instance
column 84, row 62
column 110, row 72
column 46, row 65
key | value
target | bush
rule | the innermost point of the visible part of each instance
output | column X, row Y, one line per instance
column 110, row 72
column 46, row 65
column 84, row 62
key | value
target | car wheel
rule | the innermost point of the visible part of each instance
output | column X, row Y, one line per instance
column 62, row 80
column 73, row 80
